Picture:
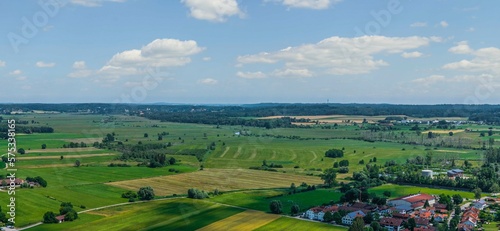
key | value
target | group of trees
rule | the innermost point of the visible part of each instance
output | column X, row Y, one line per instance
column 144, row 193
column 65, row 209
column 197, row 194
column 334, row 153
column 38, row 179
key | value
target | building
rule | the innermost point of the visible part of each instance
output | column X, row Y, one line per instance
column 317, row 213
column 479, row 204
column 441, row 217
column 349, row 218
column 411, row 202
column 455, row 173
column 391, row 224
column 60, row 218
column 427, row 173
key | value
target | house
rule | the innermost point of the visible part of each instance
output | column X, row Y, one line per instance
column 479, row 204
column 441, row 217
column 421, row 222
column 391, row 224
column 464, row 227
column 349, row 218
column 60, row 218
column 317, row 213
column 455, row 173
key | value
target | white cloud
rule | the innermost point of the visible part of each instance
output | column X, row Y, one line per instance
column 251, row 75
column 79, row 65
column 443, row 24
column 80, row 70
column 16, row 72
column 427, row 81
column 207, row 58
column 309, row 4
column 414, row 54
column 471, row 29
column 338, row 55
column 92, row 3
column 461, row 48
column 207, row 81
column 418, row 24
column 42, row 64
column 2, row 63
column 159, row 53
column 485, row 59
column 434, row 79
column 21, row 78
column 293, row 73
column 213, row 10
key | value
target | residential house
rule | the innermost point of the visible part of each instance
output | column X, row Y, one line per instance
column 479, row 204
column 391, row 224
column 441, row 217
column 60, row 218
column 421, row 222
column 349, row 218
column 317, row 213
column 455, row 173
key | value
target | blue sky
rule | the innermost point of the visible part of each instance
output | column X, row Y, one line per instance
column 229, row 51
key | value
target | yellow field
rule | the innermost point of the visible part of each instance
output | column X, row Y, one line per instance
column 211, row 179
column 247, row 220
column 445, row 131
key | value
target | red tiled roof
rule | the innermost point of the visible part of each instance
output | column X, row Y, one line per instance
column 389, row 221
column 60, row 218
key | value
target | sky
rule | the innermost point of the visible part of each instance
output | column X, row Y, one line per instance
column 250, row 51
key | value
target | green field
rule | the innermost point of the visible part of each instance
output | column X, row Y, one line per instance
column 260, row 199
column 399, row 190
column 286, row 223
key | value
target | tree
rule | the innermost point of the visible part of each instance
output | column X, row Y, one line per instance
column 21, row 151
column 426, row 204
column 71, row 215
column 357, row 225
column 77, row 163
column 146, row 135
column 430, row 135
column 457, row 210
column 411, row 224
column 49, row 217
column 62, row 157
column 477, row 193
column 494, row 188
column 328, row 217
column 387, row 193
column 337, row 217
column 329, row 176
column 368, row 218
column 275, row 207
column 146, row 193
column 450, row 133
column 457, row 199
column 295, row 209
column 44, row 146
column 376, row 226
column 293, row 188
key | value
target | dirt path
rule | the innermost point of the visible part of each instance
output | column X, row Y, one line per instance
column 315, row 157
column 61, row 150
column 254, row 154
column 237, row 153
column 65, row 157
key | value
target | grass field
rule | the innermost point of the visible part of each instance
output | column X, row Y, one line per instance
column 175, row 214
column 221, row 179
column 260, row 199
column 247, row 220
column 400, row 190
column 287, row 223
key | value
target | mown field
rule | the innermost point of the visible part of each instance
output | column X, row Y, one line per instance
column 221, row 179
column 400, row 190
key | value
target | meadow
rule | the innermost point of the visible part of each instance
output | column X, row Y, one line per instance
column 299, row 150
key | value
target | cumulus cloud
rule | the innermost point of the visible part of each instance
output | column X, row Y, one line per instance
column 427, row 81
column 251, row 75
column 485, row 59
column 292, row 73
column 159, row 53
column 16, row 72
column 418, row 24
column 80, row 70
column 339, row 55
column 213, row 10
column 443, row 24
column 208, row 81
column 2, row 63
column 461, row 48
column 414, row 54
column 92, row 3
column 435, row 79
column 42, row 64
column 309, row 4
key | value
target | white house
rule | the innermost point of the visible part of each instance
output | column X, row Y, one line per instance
column 349, row 218
column 391, row 224
column 317, row 213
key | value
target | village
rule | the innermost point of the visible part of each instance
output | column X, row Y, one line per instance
column 417, row 212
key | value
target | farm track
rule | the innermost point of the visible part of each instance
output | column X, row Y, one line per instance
column 66, row 157
column 254, row 154
column 294, row 155
column 315, row 157
column 61, row 150
column 274, row 155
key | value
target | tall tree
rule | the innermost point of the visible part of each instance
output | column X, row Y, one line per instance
column 357, row 225
column 329, row 176
column 275, row 207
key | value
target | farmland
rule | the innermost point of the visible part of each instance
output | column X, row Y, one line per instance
column 234, row 149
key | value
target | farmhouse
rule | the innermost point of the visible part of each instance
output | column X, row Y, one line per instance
column 479, row 204
column 391, row 224
column 349, row 218
column 60, row 218
column 317, row 213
